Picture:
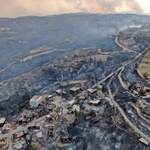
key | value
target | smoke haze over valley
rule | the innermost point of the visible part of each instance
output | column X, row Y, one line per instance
column 13, row 8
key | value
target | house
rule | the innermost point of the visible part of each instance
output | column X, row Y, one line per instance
column 94, row 102
column 144, row 141
column 6, row 128
column 35, row 101
column 76, row 108
column 52, row 131
column 92, row 91
column 75, row 90
column 17, row 136
column 2, row 121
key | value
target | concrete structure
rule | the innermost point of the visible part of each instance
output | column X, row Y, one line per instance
column 2, row 121
column 144, row 141
column 92, row 91
column 75, row 90
column 35, row 101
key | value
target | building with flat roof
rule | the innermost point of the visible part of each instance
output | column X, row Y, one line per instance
column 2, row 121
column 92, row 91
column 75, row 90
column 94, row 102
column 35, row 101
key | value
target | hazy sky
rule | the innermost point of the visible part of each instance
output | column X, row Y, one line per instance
column 14, row 8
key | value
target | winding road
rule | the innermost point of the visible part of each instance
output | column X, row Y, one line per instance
column 124, row 115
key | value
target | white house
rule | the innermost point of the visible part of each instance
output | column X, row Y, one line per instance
column 35, row 101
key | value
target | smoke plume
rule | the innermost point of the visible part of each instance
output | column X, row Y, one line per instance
column 10, row 8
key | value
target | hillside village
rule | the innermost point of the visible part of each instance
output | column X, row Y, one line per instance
column 46, row 117
column 59, row 108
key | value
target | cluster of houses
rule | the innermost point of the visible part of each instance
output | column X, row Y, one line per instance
column 56, row 114
column 144, row 108
column 72, row 101
column 139, row 89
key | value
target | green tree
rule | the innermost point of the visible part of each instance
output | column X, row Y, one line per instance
column 142, row 92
